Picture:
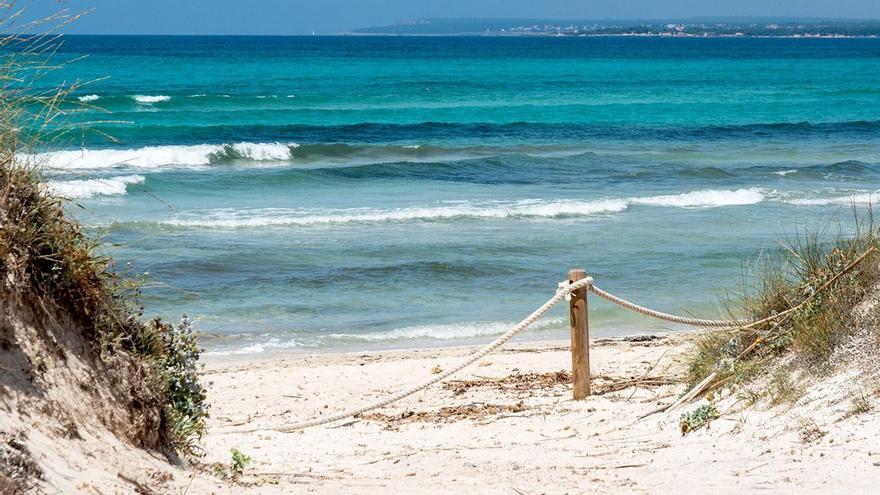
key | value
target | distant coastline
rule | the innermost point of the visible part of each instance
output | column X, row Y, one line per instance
column 689, row 28
column 618, row 35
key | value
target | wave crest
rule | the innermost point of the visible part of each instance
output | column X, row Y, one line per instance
column 150, row 157
column 537, row 209
column 843, row 199
column 275, row 217
column 708, row 198
column 89, row 188
column 150, row 99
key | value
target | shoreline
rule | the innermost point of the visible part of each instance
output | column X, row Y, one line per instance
column 395, row 354
column 454, row 345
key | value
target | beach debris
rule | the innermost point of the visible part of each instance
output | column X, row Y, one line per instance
column 475, row 411
column 518, row 382
column 809, row 431
column 437, row 370
column 532, row 382
column 18, row 470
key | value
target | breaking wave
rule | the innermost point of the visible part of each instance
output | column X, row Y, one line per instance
column 150, row 157
column 150, row 99
column 708, row 198
column 464, row 210
column 273, row 217
column 89, row 188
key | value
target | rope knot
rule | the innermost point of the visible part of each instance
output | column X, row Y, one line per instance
column 568, row 287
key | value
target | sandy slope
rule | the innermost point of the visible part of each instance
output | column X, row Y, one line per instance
column 524, row 434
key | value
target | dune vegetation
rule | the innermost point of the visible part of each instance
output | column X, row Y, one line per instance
column 815, row 299
column 74, row 346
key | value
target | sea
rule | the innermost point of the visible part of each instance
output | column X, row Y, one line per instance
column 323, row 194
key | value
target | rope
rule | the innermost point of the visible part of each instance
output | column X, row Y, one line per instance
column 696, row 322
column 564, row 290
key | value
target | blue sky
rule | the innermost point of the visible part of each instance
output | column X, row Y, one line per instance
column 334, row 16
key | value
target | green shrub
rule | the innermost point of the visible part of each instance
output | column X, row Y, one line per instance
column 697, row 418
column 177, row 366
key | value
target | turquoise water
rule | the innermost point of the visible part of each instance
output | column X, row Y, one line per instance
column 349, row 193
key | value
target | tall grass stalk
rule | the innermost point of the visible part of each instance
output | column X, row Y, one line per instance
column 804, row 274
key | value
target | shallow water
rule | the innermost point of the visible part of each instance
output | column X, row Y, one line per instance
column 344, row 193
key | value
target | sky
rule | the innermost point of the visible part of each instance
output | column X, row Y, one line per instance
column 272, row 17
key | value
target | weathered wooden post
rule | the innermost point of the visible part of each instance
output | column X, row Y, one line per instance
column 580, row 337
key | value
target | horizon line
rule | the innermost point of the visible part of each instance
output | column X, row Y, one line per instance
column 358, row 31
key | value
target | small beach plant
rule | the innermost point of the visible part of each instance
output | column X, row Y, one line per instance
column 697, row 418
column 238, row 462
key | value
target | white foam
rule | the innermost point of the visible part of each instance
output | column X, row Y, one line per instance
column 81, row 189
column 151, row 157
column 271, row 343
column 447, row 331
column 783, row 173
column 88, row 98
column 708, row 198
column 264, row 151
column 854, row 198
column 539, row 209
column 442, row 331
column 150, row 99
column 268, row 217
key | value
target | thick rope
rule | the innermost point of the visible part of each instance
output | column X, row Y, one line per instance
column 562, row 293
column 696, row 322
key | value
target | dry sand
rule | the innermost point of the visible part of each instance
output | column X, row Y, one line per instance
column 508, row 425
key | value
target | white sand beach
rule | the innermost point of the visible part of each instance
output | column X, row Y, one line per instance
column 509, row 425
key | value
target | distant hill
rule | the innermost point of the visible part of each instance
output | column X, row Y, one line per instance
column 702, row 26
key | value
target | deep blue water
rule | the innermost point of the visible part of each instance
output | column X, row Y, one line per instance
column 346, row 192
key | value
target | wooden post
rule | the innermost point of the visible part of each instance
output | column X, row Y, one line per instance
column 580, row 338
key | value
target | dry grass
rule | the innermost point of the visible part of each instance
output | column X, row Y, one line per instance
column 824, row 280
column 860, row 403
column 784, row 389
